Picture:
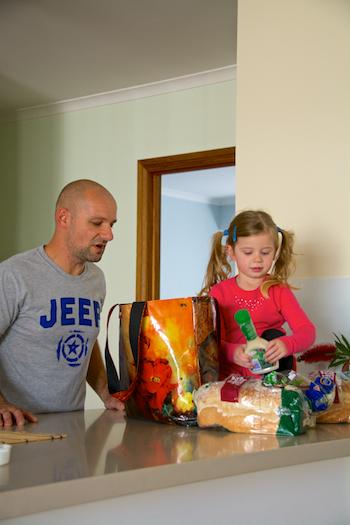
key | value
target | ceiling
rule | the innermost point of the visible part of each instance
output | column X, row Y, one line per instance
column 55, row 50
column 216, row 185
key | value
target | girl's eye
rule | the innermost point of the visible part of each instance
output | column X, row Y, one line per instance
column 247, row 253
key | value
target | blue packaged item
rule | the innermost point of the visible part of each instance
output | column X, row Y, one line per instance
column 319, row 387
column 321, row 390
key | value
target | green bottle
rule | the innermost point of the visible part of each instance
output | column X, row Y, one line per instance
column 256, row 345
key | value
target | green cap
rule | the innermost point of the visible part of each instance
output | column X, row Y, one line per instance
column 246, row 324
column 242, row 317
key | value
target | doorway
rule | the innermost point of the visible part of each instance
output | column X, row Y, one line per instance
column 149, row 209
column 193, row 208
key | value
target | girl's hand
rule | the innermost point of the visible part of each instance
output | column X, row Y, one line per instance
column 276, row 349
column 241, row 358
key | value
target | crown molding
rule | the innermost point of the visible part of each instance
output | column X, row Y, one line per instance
column 213, row 76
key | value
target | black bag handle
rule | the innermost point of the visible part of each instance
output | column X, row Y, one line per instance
column 136, row 314
column 112, row 374
column 217, row 320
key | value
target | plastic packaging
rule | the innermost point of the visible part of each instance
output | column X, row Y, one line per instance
column 256, row 346
column 319, row 387
column 339, row 412
column 241, row 404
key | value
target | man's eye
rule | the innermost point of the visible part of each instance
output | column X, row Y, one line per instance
column 97, row 223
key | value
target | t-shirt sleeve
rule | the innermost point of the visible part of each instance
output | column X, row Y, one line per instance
column 9, row 299
column 303, row 330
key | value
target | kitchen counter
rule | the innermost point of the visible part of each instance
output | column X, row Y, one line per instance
column 106, row 456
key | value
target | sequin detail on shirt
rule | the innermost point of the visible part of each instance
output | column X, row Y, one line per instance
column 249, row 304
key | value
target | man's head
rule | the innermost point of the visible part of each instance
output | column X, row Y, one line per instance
column 85, row 215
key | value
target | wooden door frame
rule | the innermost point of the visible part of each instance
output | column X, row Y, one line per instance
column 148, row 209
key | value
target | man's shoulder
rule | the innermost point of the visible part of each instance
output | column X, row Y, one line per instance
column 20, row 260
column 94, row 269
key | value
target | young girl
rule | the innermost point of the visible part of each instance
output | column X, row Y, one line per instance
column 263, row 254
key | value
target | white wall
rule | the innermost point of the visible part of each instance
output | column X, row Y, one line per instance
column 293, row 129
column 293, row 124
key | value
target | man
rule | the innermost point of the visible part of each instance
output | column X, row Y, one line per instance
column 50, row 303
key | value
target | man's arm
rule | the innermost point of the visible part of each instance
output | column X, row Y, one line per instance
column 97, row 379
column 9, row 413
column 13, row 415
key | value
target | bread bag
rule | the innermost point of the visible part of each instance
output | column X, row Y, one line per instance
column 241, row 404
column 339, row 412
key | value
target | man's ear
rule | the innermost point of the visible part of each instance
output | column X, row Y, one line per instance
column 229, row 251
column 62, row 217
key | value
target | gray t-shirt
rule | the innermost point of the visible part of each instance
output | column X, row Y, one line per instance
column 49, row 322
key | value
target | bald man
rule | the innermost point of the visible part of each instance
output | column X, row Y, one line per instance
column 50, row 305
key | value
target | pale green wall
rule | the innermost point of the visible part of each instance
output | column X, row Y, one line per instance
column 104, row 143
column 9, row 222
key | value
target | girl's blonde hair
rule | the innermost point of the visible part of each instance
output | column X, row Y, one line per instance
column 245, row 224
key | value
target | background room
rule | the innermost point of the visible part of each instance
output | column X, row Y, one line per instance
column 194, row 205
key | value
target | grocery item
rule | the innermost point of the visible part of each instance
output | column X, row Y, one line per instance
column 319, row 387
column 339, row 412
column 256, row 346
column 241, row 404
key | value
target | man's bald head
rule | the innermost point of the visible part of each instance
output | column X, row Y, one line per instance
column 85, row 215
column 75, row 192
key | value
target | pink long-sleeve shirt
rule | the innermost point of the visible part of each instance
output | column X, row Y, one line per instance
column 280, row 307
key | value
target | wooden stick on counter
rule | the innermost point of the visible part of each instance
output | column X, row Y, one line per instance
column 12, row 437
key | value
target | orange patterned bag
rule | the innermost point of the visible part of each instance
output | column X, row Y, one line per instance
column 167, row 349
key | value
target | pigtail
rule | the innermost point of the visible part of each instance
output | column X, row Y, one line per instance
column 218, row 268
column 284, row 265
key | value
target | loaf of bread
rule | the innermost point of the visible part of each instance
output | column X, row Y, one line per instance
column 339, row 412
column 258, row 409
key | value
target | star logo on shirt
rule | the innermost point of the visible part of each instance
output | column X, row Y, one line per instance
column 73, row 348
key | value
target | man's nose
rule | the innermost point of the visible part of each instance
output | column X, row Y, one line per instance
column 107, row 233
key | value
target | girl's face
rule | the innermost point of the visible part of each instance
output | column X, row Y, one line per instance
column 253, row 256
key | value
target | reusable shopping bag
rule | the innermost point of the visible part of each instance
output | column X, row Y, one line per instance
column 167, row 349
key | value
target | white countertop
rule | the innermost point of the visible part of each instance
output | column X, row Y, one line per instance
column 107, row 456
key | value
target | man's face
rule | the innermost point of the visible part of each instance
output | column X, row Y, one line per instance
column 90, row 226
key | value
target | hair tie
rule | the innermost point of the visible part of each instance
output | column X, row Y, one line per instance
column 234, row 235
column 279, row 230
column 224, row 237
